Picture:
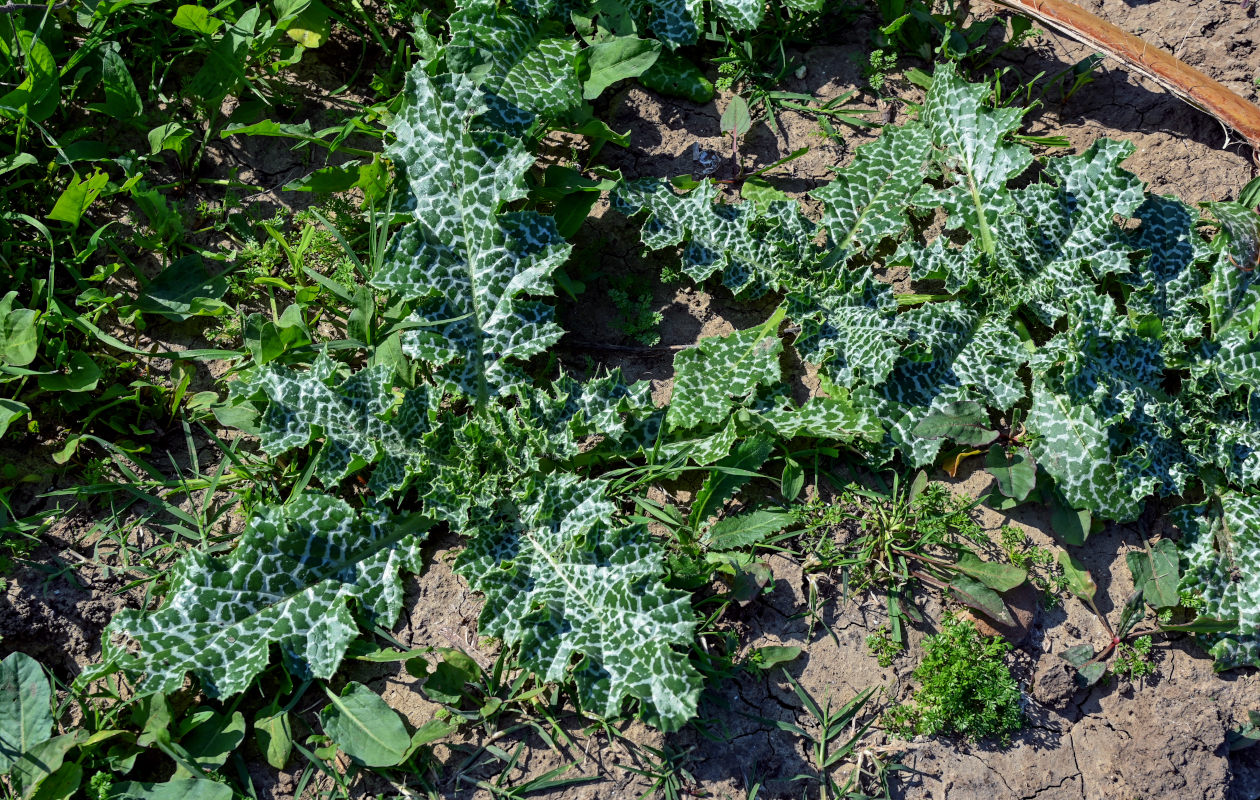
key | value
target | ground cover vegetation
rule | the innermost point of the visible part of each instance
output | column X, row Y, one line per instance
column 394, row 360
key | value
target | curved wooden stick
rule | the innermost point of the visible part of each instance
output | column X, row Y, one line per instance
column 1175, row 75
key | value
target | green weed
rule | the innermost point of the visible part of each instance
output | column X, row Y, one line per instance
column 965, row 689
column 919, row 533
column 636, row 317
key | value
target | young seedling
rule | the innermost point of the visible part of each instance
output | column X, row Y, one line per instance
column 837, row 738
column 1155, row 578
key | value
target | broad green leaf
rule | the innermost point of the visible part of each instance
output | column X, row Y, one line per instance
column 301, row 131
column 1131, row 613
column 793, row 480
column 273, row 731
column 267, row 341
column 867, row 202
column 745, row 530
column 1156, row 573
column 211, row 743
column 675, row 76
column 184, row 290
column 616, row 60
column 25, row 707
column 42, row 760
column 1079, row 581
column 448, row 683
column 974, row 593
column 36, row 98
column 1078, row 655
column 19, row 332
column 965, row 422
column 365, row 727
column 728, row 476
column 1201, row 625
column 16, row 161
column 1071, row 525
column 60, row 785
column 468, row 265
column 294, row 581
column 11, row 411
column 76, row 198
column 1014, row 469
column 122, row 99
column 79, row 374
column 1081, row 656
column 181, row 789
column 999, row 577
column 1220, row 548
column 312, row 26
column 764, row 658
column 196, row 19
column 584, row 598
column 736, row 119
column 431, row 731
column 1246, row 735
column 761, row 193
column 722, row 369
column 224, row 68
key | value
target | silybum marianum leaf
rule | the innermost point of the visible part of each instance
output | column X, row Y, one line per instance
column 1166, row 281
column 1102, row 425
column 744, row 15
column 471, row 267
column 677, row 22
column 753, row 252
column 1062, row 239
column 832, row 418
column 294, row 581
column 526, row 65
column 868, row 200
column 850, row 325
column 722, row 369
column 952, row 355
column 358, row 418
column 1233, row 290
column 971, row 145
column 568, row 586
column 674, row 22
column 1220, row 548
column 1230, row 439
